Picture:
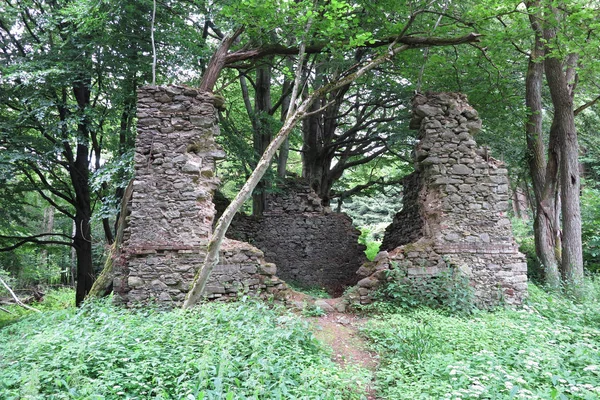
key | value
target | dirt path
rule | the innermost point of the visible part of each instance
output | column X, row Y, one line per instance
column 340, row 331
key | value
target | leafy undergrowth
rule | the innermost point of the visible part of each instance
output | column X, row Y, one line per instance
column 54, row 300
column 219, row 351
column 547, row 350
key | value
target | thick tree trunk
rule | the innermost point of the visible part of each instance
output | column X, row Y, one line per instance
column 564, row 125
column 544, row 174
column 318, row 151
column 562, row 85
column 312, row 148
column 83, row 238
column 79, row 171
column 83, row 251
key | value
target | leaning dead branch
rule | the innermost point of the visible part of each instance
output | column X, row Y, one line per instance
column 17, row 300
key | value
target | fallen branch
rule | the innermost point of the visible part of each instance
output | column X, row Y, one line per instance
column 7, row 311
column 14, row 296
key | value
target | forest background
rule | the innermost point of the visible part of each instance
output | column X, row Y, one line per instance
column 69, row 72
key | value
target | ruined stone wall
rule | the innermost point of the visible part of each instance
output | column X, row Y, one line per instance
column 407, row 225
column 309, row 244
column 460, row 209
column 171, row 211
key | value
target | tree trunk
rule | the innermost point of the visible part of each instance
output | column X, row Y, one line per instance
column 47, row 228
column 262, row 131
column 563, row 124
column 83, row 238
column 104, row 283
column 284, row 151
column 79, row 172
column 319, row 133
column 544, row 174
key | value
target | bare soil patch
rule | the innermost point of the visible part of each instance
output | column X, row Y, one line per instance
column 341, row 332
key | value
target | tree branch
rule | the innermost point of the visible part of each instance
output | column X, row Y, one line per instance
column 14, row 296
column 218, row 61
column 359, row 188
column 586, row 105
column 412, row 41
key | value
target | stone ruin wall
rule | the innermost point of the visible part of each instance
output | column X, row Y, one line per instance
column 310, row 245
column 458, row 214
column 171, row 211
column 454, row 214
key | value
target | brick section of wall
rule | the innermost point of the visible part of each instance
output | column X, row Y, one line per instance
column 171, row 211
column 459, row 209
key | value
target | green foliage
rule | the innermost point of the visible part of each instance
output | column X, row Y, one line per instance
column 55, row 299
column 366, row 239
column 449, row 290
column 546, row 350
column 314, row 291
column 374, row 210
column 312, row 310
column 523, row 233
column 219, row 351
column 590, row 227
column 372, row 250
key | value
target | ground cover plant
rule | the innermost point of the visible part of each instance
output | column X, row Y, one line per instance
column 549, row 349
column 55, row 299
column 218, row 351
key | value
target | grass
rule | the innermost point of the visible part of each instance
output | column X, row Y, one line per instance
column 547, row 350
column 219, row 351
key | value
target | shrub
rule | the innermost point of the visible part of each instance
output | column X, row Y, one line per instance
column 366, row 238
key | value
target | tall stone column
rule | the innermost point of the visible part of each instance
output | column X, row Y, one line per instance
column 171, row 212
column 455, row 212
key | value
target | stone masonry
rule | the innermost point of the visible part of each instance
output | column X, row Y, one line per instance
column 310, row 245
column 171, row 211
column 455, row 210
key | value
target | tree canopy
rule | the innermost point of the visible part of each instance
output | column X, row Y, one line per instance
column 69, row 71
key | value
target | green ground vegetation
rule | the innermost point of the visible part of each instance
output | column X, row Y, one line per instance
column 242, row 350
column 547, row 349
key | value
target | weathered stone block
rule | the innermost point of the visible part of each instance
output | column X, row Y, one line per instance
column 135, row 282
